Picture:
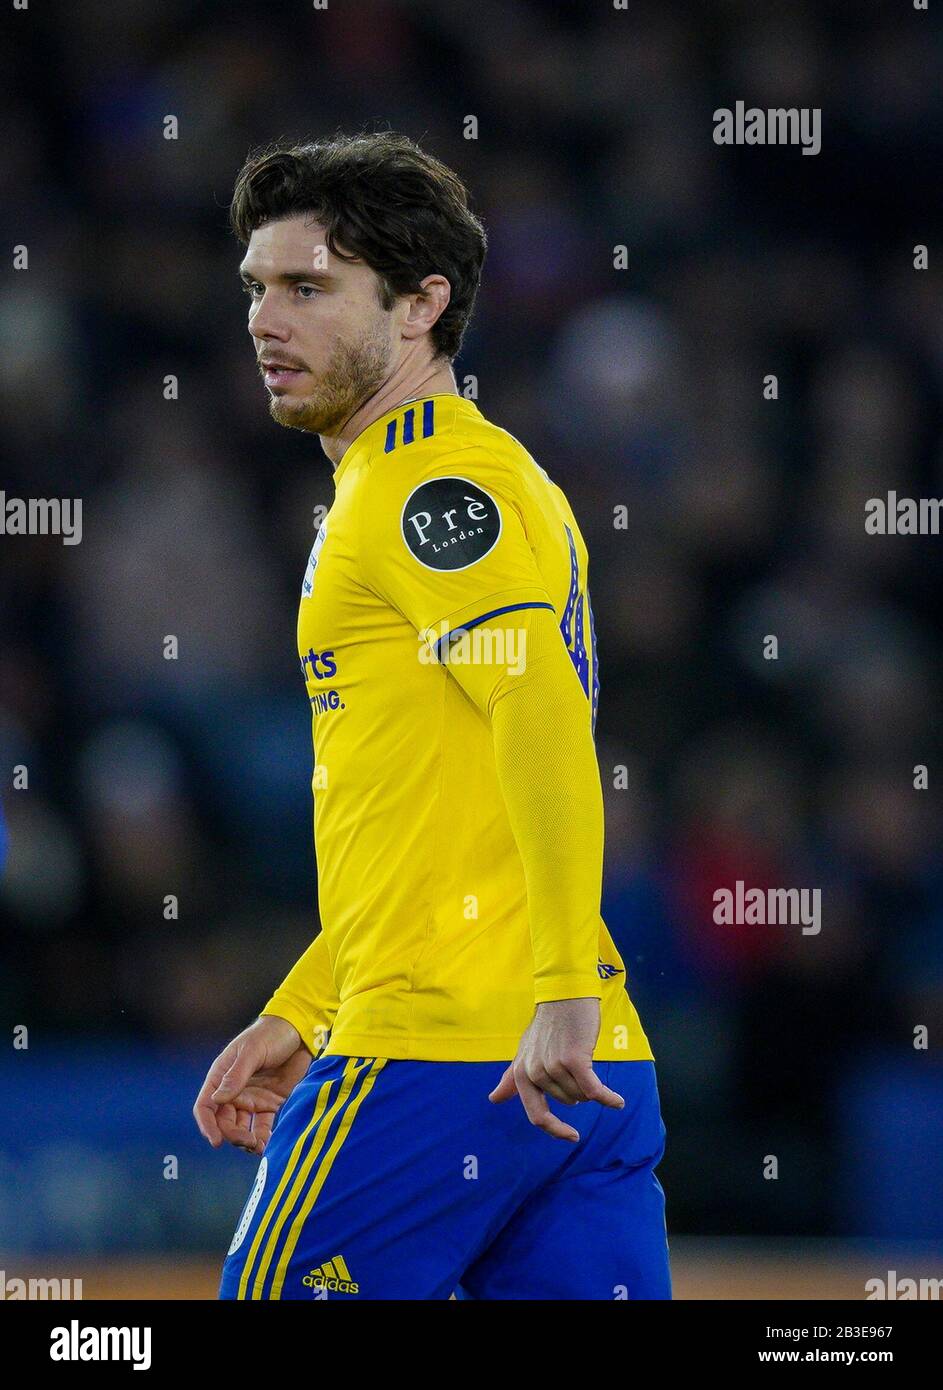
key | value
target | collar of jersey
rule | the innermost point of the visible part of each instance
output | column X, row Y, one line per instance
column 370, row 439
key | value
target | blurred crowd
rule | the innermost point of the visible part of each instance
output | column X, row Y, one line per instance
column 715, row 517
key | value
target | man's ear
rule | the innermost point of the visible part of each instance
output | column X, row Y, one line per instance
column 428, row 306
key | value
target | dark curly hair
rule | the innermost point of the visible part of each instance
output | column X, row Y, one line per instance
column 382, row 199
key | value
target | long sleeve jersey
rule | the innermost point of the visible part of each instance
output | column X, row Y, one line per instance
column 446, row 639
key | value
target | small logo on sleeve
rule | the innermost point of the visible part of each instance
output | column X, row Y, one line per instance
column 450, row 523
column 606, row 971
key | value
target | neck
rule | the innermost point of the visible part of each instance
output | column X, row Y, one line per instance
column 435, row 379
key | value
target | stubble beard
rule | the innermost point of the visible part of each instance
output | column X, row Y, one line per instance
column 354, row 372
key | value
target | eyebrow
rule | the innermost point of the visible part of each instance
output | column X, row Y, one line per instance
column 291, row 277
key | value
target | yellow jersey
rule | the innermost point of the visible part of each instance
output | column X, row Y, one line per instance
column 441, row 521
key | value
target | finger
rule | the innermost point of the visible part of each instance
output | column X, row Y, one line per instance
column 204, row 1111
column 242, row 1068
column 554, row 1086
column 242, row 1129
column 592, row 1088
column 205, row 1115
column 262, row 1129
column 257, row 1098
column 539, row 1112
column 234, row 1122
column 505, row 1088
column 238, row 1135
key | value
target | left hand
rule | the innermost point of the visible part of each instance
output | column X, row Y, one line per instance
column 248, row 1084
column 555, row 1058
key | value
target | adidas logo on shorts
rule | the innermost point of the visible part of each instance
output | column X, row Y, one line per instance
column 333, row 1276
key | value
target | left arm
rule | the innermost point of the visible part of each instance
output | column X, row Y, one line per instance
column 549, row 777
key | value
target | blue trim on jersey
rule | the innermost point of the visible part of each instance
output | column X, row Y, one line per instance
column 580, row 660
column 574, row 605
column 495, row 613
column 409, row 426
column 592, row 645
column 566, row 622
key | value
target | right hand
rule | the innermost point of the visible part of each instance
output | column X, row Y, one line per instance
column 248, row 1084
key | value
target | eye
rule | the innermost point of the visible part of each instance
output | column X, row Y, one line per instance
column 312, row 290
column 251, row 287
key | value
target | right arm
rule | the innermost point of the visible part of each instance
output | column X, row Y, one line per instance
column 307, row 997
column 254, row 1075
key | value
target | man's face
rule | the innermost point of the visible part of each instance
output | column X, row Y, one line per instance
column 322, row 341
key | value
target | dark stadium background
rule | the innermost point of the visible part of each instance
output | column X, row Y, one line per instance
column 639, row 388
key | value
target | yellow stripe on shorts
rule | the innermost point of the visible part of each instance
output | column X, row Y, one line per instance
column 293, row 1159
column 352, row 1071
column 343, row 1129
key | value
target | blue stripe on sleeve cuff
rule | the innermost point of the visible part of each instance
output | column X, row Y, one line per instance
column 495, row 613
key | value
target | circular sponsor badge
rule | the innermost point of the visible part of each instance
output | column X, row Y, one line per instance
column 450, row 523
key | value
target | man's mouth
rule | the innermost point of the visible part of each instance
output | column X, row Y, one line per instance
column 278, row 376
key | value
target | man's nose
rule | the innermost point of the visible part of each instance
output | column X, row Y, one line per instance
column 265, row 324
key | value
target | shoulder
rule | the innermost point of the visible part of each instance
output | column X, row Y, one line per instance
column 457, row 445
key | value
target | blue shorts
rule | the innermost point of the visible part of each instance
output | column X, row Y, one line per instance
column 392, row 1179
